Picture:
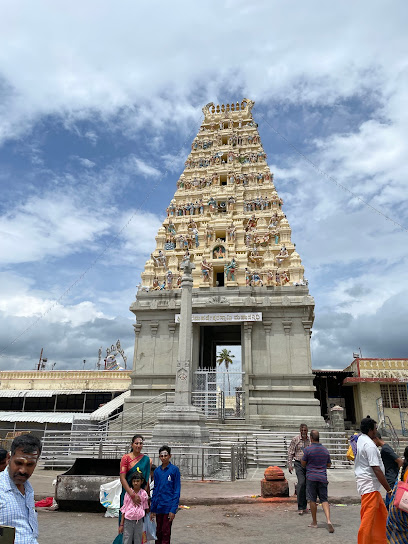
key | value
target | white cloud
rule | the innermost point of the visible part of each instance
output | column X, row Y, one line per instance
column 52, row 225
column 86, row 162
column 142, row 167
column 99, row 62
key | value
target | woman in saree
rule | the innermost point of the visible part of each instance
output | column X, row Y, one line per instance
column 132, row 462
column 397, row 521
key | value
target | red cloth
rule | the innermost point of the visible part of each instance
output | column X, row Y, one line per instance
column 373, row 515
column 44, row 502
column 163, row 529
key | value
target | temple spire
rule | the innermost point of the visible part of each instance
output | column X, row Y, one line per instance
column 226, row 214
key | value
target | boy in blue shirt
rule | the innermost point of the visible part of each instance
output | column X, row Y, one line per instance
column 166, row 496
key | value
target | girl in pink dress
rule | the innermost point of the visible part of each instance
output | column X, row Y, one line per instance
column 131, row 524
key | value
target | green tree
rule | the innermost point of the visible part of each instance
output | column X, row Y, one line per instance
column 225, row 356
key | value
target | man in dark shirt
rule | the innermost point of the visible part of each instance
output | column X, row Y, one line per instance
column 391, row 461
column 316, row 459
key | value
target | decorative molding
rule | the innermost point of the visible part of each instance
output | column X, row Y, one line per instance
column 248, row 327
column 172, row 327
column 307, row 325
column 154, row 325
column 267, row 323
column 287, row 325
column 138, row 328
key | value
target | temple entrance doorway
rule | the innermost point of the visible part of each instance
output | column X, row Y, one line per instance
column 218, row 381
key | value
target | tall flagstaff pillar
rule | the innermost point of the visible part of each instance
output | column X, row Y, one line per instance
column 183, row 373
column 182, row 422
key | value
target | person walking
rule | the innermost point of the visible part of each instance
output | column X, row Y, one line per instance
column 16, row 493
column 369, row 472
column 295, row 455
column 391, row 461
column 316, row 460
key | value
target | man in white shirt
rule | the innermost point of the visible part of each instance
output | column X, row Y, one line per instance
column 369, row 471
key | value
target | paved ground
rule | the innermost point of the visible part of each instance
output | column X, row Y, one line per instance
column 224, row 512
column 342, row 487
column 242, row 523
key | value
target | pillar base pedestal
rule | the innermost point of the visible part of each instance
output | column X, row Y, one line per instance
column 180, row 424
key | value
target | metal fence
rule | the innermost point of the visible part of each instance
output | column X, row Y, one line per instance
column 216, row 461
column 227, row 385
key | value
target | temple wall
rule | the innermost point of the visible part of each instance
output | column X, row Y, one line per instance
column 275, row 351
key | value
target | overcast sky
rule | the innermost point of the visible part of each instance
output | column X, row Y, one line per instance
column 99, row 102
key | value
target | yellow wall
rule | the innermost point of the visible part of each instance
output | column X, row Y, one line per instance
column 368, row 394
column 365, row 397
column 69, row 379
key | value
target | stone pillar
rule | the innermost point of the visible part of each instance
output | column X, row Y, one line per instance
column 247, row 326
column 182, row 423
column 183, row 373
column 337, row 419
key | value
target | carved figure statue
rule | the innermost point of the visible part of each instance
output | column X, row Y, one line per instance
column 282, row 255
column 212, row 204
column 254, row 256
column 252, row 221
column 156, row 285
column 270, row 278
column 161, row 258
column 231, row 204
column 219, row 252
column 171, row 228
column 206, row 268
column 169, row 278
column 230, row 269
column 232, row 232
column 248, row 277
column 284, row 277
column 256, row 280
column 195, row 233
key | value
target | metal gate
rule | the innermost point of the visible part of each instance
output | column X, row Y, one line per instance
column 219, row 393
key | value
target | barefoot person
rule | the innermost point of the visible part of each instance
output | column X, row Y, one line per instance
column 369, row 471
column 295, row 455
column 316, row 460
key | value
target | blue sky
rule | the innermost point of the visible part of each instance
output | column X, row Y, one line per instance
column 99, row 103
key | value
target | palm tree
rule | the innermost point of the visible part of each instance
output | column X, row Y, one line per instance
column 226, row 357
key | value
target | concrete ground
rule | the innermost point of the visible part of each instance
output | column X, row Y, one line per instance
column 260, row 523
column 222, row 511
column 342, row 488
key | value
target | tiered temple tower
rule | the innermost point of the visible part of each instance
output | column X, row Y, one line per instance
column 249, row 287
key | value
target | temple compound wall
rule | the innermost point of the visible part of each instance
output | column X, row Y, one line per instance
column 249, row 288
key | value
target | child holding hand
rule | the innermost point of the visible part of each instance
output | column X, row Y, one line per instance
column 132, row 514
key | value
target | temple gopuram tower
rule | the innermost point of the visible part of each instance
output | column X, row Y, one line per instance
column 249, row 288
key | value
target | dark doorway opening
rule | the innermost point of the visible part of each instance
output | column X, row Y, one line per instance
column 219, row 279
column 213, row 336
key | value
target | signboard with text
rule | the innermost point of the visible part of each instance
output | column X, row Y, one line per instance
column 223, row 317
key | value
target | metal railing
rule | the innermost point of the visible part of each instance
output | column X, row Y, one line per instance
column 389, row 428
column 213, row 461
column 404, row 420
column 266, row 448
column 141, row 416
